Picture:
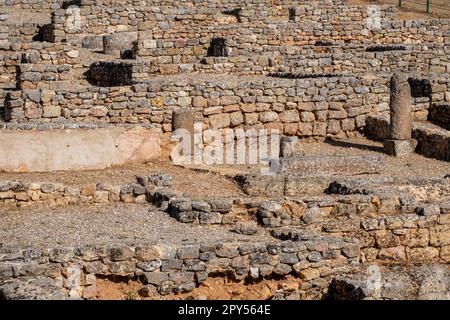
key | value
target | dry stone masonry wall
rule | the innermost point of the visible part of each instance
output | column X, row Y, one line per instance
column 351, row 234
column 167, row 37
column 22, row 194
column 166, row 268
column 304, row 107
column 312, row 69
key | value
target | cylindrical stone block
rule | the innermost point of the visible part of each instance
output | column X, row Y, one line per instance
column 184, row 119
column 400, row 106
column 114, row 44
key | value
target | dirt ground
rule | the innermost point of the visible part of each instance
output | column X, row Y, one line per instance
column 117, row 290
column 117, row 223
column 200, row 181
column 195, row 184
column 414, row 166
column 214, row 288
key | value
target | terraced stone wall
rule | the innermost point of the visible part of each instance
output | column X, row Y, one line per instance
column 304, row 107
column 22, row 194
column 166, row 268
column 191, row 55
column 31, row 4
column 200, row 20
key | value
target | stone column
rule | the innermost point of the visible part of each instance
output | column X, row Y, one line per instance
column 184, row 119
column 400, row 143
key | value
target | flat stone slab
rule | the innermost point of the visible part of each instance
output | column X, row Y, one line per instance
column 432, row 141
column 345, row 165
column 77, row 149
column 415, row 282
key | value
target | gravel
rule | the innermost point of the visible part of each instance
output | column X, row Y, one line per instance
column 129, row 224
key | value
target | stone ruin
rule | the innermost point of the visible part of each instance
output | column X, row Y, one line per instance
column 399, row 143
column 95, row 84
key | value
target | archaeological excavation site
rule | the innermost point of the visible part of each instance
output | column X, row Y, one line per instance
column 223, row 150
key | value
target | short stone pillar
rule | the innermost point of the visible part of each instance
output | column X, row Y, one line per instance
column 400, row 143
column 184, row 119
column 119, row 44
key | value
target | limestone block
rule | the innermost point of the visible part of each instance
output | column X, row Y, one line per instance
column 400, row 108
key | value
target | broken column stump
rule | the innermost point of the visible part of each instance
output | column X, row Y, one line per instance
column 400, row 143
column 184, row 119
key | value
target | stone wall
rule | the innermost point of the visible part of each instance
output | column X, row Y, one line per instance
column 398, row 238
column 191, row 55
column 309, row 32
column 31, row 4
column 203, row 20
column 169, row 18
column 167, row 268
column 394, row 219
column 432, row 141
column 49, row 53
column 23, row 32
column 313, row 11
column 36, row 65
column 305, row 107
column 426, row 58
column 120, row 105
column 440, row 115
column 267, row 5
column 8, row 60
column 404, row 236
column 22, row 194
column 334, row 241
column 4, row 32
column 41, row 76
column 8, row 63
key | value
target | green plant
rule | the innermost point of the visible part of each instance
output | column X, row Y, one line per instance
column 132, row 296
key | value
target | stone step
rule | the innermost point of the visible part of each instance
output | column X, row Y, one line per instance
column 432, row 140
column 342, row 164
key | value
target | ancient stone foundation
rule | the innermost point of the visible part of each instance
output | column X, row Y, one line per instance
column 95, row 96
column 400, row 143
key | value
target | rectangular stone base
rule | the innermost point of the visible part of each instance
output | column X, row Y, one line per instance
column 345, row 165
column 77, row 149
column 398, row 148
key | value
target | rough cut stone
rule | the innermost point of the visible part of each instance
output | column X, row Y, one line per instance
column 332, row 164
column 400, row 107
column 290, row 146
column 114, row 43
